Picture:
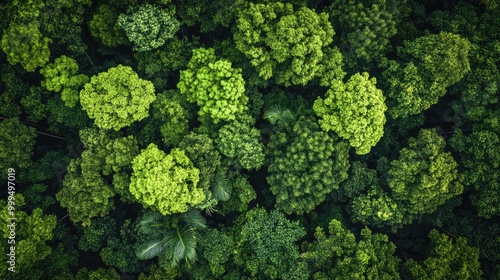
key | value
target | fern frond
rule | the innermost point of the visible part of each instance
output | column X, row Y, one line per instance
column 277, row 115
column 152, row 223
column 194, row 219
column 150, row 249
column 181, row 244
column 221, row 188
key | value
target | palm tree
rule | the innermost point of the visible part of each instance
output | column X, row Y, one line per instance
column 178, row 242
column 278, row 115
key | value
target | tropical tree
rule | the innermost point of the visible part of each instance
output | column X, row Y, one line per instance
column 16, row 145
column 293, row 46
column 241, row 141
column 61, row 76
column 306, row 164
column 266, row 246
column 354, row 110
column 166, row 182
column 217, row 87
column 365, row 29
column 117, row 98
column 148, row 26
column 340, row 256
column 175, row 238
column 433, row 63
column 447, row 259
column 24, row 44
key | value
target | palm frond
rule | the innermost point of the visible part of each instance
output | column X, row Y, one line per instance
column 276, row 115
column 150, row 249
column 194, row 219
column 221, row 189
column 152, row 223
column 181, row 244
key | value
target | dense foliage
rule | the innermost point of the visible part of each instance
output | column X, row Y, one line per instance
column 250, row 139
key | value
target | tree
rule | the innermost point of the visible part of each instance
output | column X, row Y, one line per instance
column 166, row 182
column 354, row 110
column 61, row 76
column 434, row 62
column 480, row 157
column 265, row 246
column 290, row 45
column 24, row 44
column 16, row 145
column 176, row 240
column 377, row 208
column 241, row 194
column 447, row 260
column 443, row 57
column 169, row 110
column 104, row 26
column 241, row 141
column 340, row 256
column 366, row 27
column 214, row 85
column 31, row 231
column 98, row 274
column 85, row 195
column 200, row 148
column 424, row 176
column 148, row 26
column 116, row 98
column 305, row 165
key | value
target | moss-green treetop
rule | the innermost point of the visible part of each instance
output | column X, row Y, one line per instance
column 24, row 44
column 116, row 98
column 148, row 26
column 291, row 45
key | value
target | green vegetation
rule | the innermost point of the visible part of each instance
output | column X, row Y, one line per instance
column 250, row 139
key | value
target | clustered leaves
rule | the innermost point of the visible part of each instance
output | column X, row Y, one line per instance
column 148, row 26
column 290, row 45
column 306, row 164
column 354, row 110
column 166, row 182
column 117, row 98
column 217, row 87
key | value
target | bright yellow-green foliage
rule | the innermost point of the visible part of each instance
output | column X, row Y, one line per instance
column 31, row 233
column 61, row 76
column 166, row 182
column 290, row 45
column 24, row 44
column 306, row 165
column 148, row 26
column 116, row 98
column 448, row 259
column 354, row 110
column 340, row 256
column 214, row 85
column 424, row 176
